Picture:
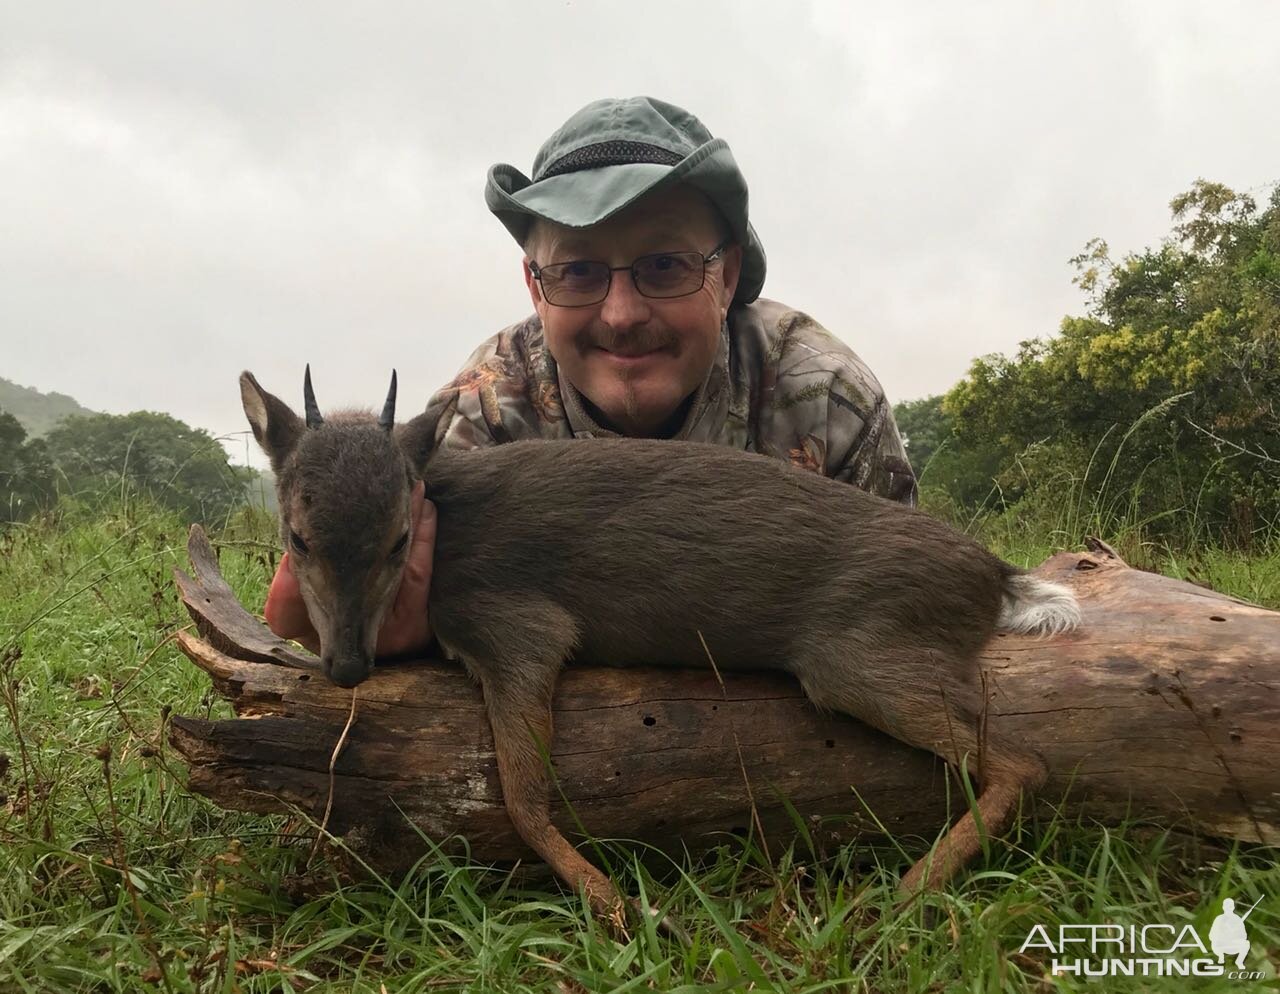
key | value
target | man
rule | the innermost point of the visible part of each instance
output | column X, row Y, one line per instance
column 645, row 275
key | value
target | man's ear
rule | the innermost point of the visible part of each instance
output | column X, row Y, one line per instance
column 274, row 425
column 534, row 287
column 731, row 270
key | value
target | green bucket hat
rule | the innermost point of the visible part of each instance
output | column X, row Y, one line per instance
column 611, row 153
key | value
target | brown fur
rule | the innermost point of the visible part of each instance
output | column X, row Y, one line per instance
column 624, row 551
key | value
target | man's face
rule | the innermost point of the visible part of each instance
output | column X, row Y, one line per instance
column 635, row 358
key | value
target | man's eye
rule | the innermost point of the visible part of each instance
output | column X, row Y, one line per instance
column 295, row 540
column 399, row 546
column 580, row 275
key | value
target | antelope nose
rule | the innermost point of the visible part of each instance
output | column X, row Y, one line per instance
column 346, row 672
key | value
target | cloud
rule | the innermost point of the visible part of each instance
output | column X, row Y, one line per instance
column 188, row 190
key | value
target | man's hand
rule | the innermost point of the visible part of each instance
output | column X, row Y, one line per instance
column 405, row 627
column 285, row 613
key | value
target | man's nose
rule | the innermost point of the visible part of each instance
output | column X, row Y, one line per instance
column 624, row 306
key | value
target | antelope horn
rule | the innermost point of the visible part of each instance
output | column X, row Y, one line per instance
column 388, row 419
column 309, row 398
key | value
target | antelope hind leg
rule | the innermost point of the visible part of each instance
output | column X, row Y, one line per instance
column 926, row 699
column 1004, row 776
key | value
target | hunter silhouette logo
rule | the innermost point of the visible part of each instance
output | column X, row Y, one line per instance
column 1227, row 935
column 1156, row 950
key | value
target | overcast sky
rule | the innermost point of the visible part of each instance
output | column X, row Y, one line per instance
column 188, row 190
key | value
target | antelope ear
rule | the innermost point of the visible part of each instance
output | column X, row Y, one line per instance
column 417, row 438
column 274, row 424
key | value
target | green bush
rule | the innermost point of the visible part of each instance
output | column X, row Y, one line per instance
column 181, row 467
column 26, row 471
column 1155, row 411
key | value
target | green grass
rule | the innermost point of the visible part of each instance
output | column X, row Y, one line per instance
column 114, row 878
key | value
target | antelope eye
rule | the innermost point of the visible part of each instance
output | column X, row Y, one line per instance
column 399, row 546
column 295, row 540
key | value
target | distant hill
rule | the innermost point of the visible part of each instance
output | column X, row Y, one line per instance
column 38, row 412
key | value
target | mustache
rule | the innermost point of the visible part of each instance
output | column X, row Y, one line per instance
column 634, row 341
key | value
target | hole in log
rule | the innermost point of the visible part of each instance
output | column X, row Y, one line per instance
column 617, row 773
column 830, row 743
column 1215, row 617
column 650, row 720
column 304, row 677
column 1086, row 564
column 1236, row 737
column 715, row 707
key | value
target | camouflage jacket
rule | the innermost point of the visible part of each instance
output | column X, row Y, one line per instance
column 781, row 385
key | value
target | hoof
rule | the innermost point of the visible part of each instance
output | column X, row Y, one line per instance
column 666, row 924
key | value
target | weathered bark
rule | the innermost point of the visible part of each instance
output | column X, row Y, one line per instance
column 1164, row 706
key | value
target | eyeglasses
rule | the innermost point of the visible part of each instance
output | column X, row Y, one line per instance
column 665, row 274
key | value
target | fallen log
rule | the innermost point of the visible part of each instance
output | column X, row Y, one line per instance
column 1164, row 706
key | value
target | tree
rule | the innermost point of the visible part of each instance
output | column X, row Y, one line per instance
column 182, row 467
column 924, row 427
column 951, row 475
column 12, row 435
column 26, row 472
column 1163, row 394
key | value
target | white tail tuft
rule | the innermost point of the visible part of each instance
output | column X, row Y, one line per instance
column 1031, row 606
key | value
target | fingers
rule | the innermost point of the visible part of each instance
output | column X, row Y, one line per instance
column 406, row 627
column 285, row 611
column 417, row 569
